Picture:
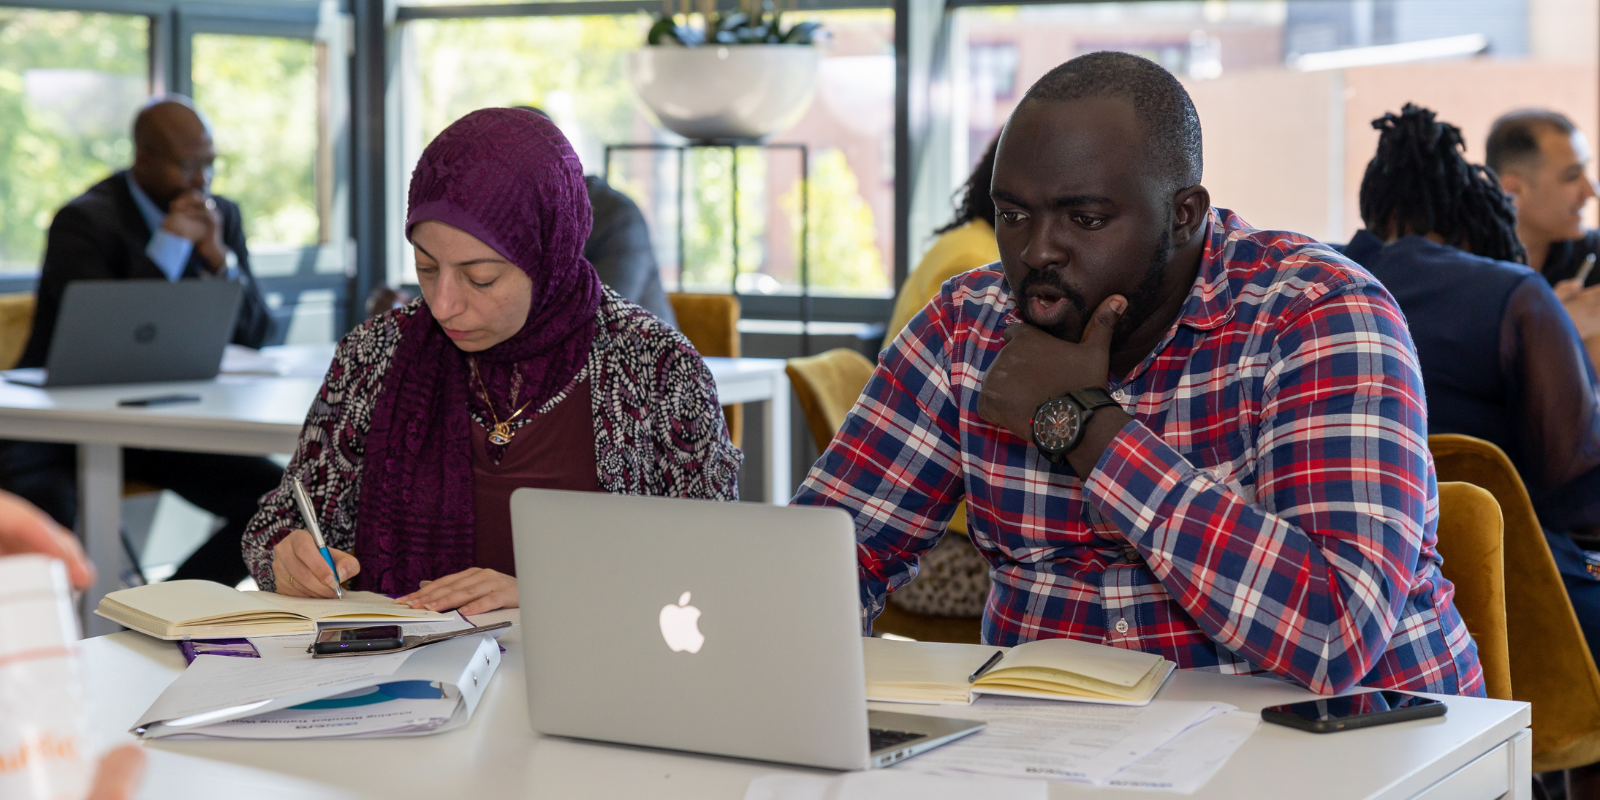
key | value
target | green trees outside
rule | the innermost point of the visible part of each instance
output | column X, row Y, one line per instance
column 260, row 93
column 69, row 84
column 573, row 68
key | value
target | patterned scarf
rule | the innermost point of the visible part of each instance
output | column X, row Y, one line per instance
column 509, row 178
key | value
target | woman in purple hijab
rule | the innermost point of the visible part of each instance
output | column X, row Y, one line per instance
column 516, row 367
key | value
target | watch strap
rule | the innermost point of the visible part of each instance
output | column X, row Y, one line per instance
column 1090, row 398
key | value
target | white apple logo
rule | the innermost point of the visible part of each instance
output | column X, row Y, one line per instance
column 680, row 626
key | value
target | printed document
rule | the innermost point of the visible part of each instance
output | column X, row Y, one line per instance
column 214, row 683
column 1075, row 742
column 1187, row 762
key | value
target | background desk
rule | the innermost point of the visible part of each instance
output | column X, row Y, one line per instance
column 260, row 415
column 1479, row 750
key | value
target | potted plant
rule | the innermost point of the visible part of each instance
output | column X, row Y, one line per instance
column 733, row 76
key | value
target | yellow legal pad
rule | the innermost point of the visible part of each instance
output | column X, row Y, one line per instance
column 1047, row 669
column 207, row 610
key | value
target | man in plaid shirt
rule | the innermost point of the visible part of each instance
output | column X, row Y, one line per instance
column 1245, row 408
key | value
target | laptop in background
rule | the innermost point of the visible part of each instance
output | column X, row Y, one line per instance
column 138, row 332
column 725, row 628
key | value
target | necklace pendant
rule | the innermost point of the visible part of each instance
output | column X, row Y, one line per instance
column 500, row 436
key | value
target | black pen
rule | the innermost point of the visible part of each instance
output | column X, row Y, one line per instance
column 987, row 665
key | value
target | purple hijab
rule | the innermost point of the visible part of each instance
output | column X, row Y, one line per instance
column 509, row 178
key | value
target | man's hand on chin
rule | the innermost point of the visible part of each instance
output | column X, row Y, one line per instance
column 1035, row 366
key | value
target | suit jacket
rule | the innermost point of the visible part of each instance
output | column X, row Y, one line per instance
column 101, row 235
column 619, row 248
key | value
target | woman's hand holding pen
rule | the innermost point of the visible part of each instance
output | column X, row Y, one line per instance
column 300, row 571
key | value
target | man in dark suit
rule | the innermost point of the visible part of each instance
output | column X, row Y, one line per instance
column 157, row 221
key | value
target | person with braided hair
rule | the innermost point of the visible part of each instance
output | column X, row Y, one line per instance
column 1500, row 358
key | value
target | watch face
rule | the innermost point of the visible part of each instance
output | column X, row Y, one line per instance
column 1056, row 425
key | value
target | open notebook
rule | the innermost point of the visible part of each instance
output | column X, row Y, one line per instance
column 206, row 610
column 1047, row 669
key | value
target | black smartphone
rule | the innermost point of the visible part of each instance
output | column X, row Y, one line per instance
column 370, row 638
column 1353, row 711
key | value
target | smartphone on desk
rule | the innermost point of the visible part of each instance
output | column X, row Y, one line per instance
column 373, row 638
column 1353, row 711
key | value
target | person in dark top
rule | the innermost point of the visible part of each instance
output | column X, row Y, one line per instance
column 1500, row 359
column 1542, row 160
column 155, row 221
column 619, row 246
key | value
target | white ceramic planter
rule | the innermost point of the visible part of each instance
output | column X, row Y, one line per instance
column 725, row 92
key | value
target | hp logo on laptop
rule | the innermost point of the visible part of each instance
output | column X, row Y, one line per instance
column 145, row 334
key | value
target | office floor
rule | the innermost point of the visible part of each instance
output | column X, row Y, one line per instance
column 164, row 529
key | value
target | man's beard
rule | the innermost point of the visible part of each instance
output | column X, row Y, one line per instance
column 1141, row 304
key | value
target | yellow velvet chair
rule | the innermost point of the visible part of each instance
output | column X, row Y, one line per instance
column 1471, row 541
column 1550, row 662
column 711, row 323
column 16, row 323
column 827, row 386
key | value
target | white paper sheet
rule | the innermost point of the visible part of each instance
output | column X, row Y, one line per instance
column 394, row 716
column 892, row 785
column 293, row 647
column 1187, row 762
column 213, row 683
column 241, row 360
column 1058, row 741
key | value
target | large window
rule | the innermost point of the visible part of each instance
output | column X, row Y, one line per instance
column 573, row 68
column 261, row 95
column 1286, row 90
column 69, row 84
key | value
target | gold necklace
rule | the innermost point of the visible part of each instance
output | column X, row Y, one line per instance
column 501, row 433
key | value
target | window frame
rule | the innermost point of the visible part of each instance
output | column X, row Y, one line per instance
column 172, row 26
column 816, row 307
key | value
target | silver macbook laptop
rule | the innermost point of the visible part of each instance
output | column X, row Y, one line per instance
column 724, row 628
column 137, row 332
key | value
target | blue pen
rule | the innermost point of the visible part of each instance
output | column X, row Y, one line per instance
column 310, row 515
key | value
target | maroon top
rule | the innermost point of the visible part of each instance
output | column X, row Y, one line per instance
column 554, row 450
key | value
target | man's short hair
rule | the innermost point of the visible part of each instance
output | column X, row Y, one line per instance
column 1162, row 105
column 1514, row 139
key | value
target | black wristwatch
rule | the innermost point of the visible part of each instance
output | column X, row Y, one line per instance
column 1059, row 422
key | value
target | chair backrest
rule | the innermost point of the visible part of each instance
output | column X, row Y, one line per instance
column 827, row 385
column 16, row 324
column 711, row 324
column 1470, row 542
column 1550, row 662
column 710, row 321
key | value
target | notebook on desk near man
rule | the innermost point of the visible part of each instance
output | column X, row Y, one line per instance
column 1047, row 669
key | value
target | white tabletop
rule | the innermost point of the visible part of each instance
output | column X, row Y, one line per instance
column 497, row 755
column 246, row 414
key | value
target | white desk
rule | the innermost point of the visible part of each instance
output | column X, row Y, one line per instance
column 1479, row 750
column 260, row 415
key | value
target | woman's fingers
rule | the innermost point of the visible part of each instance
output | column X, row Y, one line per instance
column 348, row 566
column 499, row 598
column 432, row 590
column 311, row 555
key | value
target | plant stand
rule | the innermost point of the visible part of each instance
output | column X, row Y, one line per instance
column 733, row 147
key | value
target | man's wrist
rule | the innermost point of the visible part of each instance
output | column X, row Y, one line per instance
column 1104, row 425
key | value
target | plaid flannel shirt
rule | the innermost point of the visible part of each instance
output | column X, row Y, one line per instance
column 1271, row 508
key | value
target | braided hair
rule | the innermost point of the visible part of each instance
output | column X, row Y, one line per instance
column 975, row 200
column 1419, row 182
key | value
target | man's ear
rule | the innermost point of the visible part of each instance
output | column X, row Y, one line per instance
column 1514, row 184
column 1191, row 206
